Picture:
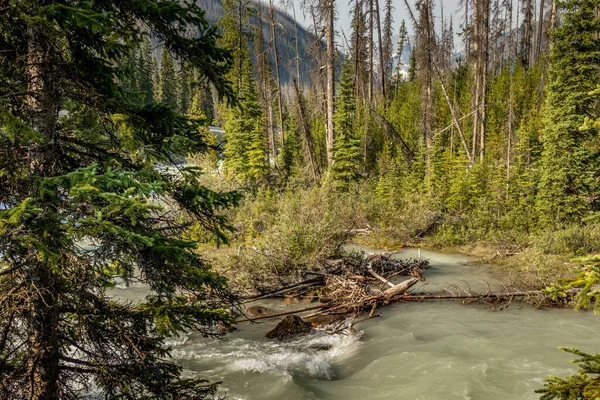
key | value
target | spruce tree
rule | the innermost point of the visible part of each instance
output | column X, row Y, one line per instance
column 566, row 186
column 347, row 153
column 184, row 84
column 146, row 71
column 244, row 148
column 167, row 79
column 81, row 202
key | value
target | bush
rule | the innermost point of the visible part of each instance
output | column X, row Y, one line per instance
column 575, row 240
column 281, row 234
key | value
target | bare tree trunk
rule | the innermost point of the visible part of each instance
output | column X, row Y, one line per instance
column 371, row 45
column 306, row 136
column 388, row 47
column 510, row 96
column 277, row 75
column 43, row 101
column 485, row 33
column 425, row 46
column 298, row 78
column 380, row 40
column 540, row 31
column 263, row 71
column 467, row 33
column 356, row 27
column 331, row 50
column 321, row 85
column 477, row 58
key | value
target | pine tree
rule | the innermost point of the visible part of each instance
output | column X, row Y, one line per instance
column 184, row 83
column 566, row 186
column 81, row 203
column 167, row 79
column 347, row 153
column 585, row 385
column 146, row 71
column 245, row 148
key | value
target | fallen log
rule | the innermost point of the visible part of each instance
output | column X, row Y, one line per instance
column 400, row 288
column 299, row 285
column 494, row 296
column 376, row 275
column 281, row 314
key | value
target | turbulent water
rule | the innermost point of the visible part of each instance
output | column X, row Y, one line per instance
column 415, row 351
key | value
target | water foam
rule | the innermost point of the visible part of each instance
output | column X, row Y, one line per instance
column 311, row 356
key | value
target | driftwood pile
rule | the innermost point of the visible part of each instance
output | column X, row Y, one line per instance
column 360, row 285
column 351, row 286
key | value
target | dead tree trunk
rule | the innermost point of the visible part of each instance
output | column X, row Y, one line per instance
column 277, row 74
column 307, row 140
column 371, row 46
column 331, row 56
column 483, row 65
column 381, row 50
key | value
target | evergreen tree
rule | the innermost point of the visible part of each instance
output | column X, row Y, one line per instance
column 244, row 150
column 167, row 79
column 347, row 154
column 185, row 90
column 567, row 186
column 146, row 71
column 245, row 147
column 583, row 386
column 81, row 203
column 402, row 39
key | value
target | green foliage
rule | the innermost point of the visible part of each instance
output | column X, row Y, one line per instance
column 567, row 183
column 281, row 234
column 583, row 386
column 347, row 153
column 91, row 197
column 245, row 148
column 167, row 79
column 588, row 283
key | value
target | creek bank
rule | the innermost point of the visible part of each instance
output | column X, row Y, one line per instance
column 523, row 267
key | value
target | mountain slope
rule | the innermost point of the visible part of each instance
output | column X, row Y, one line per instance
column 286, row 41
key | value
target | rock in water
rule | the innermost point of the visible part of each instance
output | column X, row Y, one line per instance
column 321, row 347
column 289, row 326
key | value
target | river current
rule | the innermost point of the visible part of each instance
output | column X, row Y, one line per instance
column 415, row 351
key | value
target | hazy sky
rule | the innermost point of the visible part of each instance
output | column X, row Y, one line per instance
column 400, row 13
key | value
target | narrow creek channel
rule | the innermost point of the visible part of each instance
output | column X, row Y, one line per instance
column 416, row 351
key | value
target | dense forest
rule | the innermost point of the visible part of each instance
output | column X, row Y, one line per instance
column 108, row 168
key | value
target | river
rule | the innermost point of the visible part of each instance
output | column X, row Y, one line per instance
column 415, row 351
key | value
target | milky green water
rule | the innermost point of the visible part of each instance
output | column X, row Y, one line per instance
column 443, row 350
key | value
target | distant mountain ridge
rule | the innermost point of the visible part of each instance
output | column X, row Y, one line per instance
column 286, row 44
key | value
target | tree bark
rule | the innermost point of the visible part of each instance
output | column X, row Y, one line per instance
column 277, row 75
column 477, row 76
column 43, row 102
column 371, row 46
column 264, row 87
column 540, row 31
column 331, row 50
column 483, row 65
column 380, row 41
column 306, row 136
